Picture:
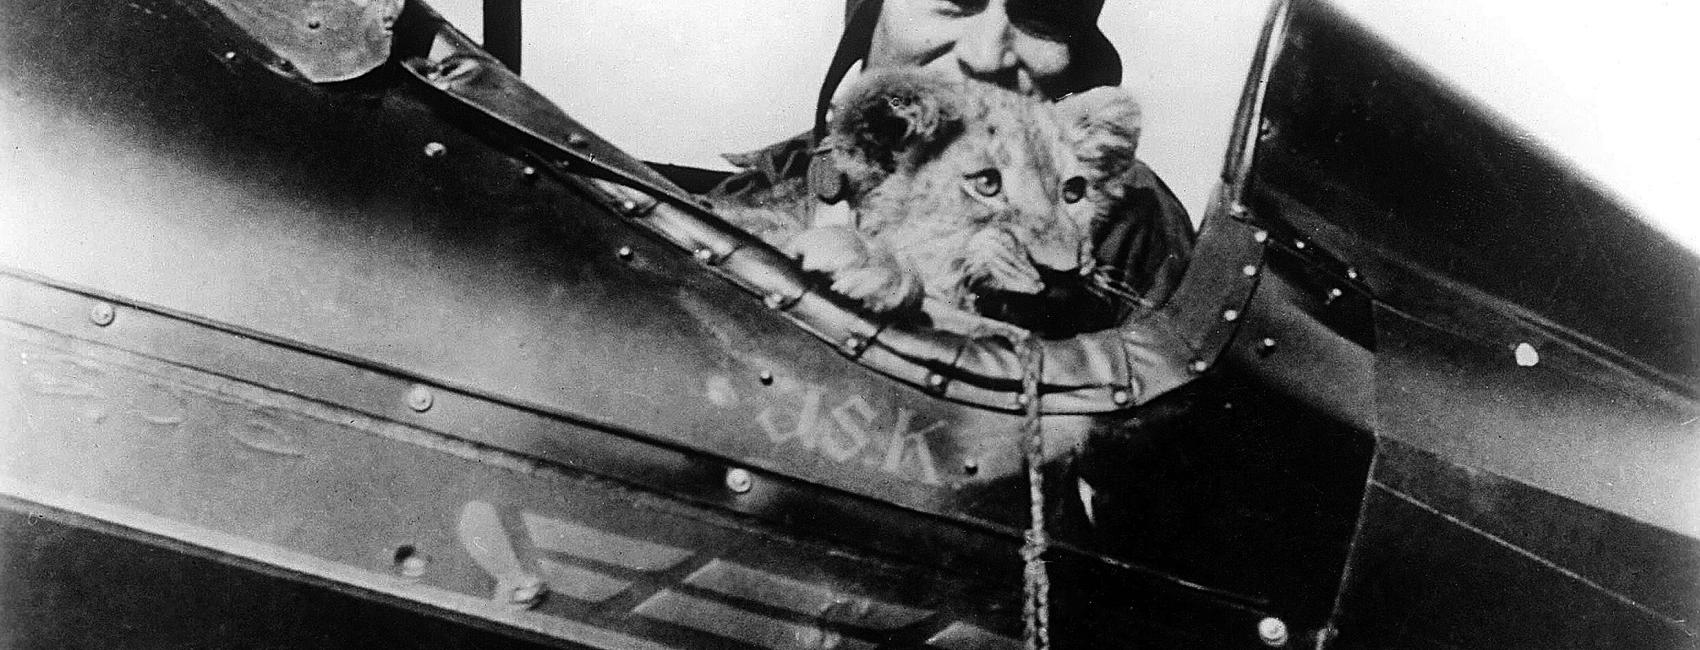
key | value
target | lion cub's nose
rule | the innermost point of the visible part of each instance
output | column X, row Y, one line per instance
column 1056, row 256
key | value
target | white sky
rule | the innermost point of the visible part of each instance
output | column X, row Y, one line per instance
column 1610, row 86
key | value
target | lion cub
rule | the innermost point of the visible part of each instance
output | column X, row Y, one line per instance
column 969, row 201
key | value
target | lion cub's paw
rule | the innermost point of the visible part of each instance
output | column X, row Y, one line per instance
column 861, row 269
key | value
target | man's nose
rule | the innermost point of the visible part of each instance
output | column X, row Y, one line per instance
column 984, row 48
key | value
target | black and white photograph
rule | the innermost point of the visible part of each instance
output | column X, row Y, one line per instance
column 849, row 325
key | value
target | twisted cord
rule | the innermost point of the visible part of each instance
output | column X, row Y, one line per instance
column 1036, row 582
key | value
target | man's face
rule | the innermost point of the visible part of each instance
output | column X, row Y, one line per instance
column 970, row 39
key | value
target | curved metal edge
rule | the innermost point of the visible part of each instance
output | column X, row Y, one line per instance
column 324, row 41
column 1103, row 372
column 1209, row 304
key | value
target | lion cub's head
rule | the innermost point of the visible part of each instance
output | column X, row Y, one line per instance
column 991, row 196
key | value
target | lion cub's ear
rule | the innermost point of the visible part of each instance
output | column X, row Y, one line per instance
column 892, row 119
column 1103, row 124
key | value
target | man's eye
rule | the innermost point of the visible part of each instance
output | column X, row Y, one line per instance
column 1073, row 189
column 959, row 7
column 986, row 182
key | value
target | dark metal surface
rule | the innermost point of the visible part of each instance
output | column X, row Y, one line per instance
column 1396, row 161
column 74, row 583
column 337, row 495
column 1532, row 382
column 378, row 337
column 371, row 253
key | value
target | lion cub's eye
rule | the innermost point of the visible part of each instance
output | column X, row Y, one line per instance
column 987, row 182
column 1073, row 189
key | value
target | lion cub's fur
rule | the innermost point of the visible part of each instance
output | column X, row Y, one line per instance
column 963, row 190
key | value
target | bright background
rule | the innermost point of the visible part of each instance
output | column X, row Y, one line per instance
column 1609, row 86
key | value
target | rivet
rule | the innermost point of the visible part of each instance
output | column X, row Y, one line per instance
column 739, row 480
column 704, row 255
column 1266, row 347
column 1260, row 236
column 628, row 206
column 528, row 592
column 1527, row 357
column 1121, row 397
column 1351, row 273
column 766, row 378
column 935, row 381
column 1249, row 270
column 1333, row 295
column 529, row 172
column 1021, row 399
column 410, row 562
column 230, row 56
column 419, row 398
column 435, row 150
column 1272, row 631
column 577, row 139
column 776, row 301
column 1238, row 210
column 854, row 344
column 624, row 253
column 1299, row 244
column 970, row 466
column 313, row 23
column 1199, row 365
column 1230, row 315
column 102, row 313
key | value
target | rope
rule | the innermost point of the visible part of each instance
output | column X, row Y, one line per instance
column 1036, row 583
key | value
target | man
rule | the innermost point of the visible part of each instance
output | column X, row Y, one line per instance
column 1045, row 48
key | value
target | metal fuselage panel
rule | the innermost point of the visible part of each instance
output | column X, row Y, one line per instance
column 1534, row 371
column 346, row 318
